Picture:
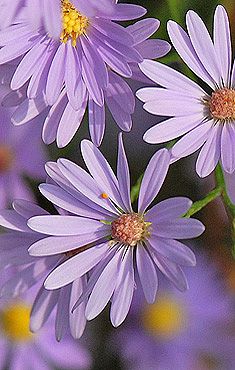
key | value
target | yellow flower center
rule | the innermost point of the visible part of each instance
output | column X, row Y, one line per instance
column 130, row 229
column 165, row 318
column 74, row 23
column 222, row 104
column 6, row 158
column 14, row 322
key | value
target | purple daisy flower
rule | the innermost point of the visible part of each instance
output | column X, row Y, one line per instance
column 84, row 67
column 18, row 157
column 14, row 245
column 116, row 240
column 22, row 349
column 205, row 119
column 181, row 331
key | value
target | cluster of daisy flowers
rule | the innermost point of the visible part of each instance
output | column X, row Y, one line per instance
column 58, row 60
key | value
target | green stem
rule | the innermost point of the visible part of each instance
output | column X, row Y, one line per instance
column 219, row 176
column 197, row 206
column 136, row 189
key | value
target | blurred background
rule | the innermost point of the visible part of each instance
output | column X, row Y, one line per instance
column 182, row 331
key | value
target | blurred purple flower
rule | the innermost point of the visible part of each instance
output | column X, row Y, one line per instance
column 207, row 120
column 85, row 67
column 18, row 157
column 181, row 331
column 22, row 349
column 14, row 246
column 115, row 239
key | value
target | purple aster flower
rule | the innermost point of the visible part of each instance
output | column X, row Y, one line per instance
column 206, row 119
column 22, row 349
column 18, row 157
column 181, row 331
column 116, row 240
column 29, row 271
column 85, row 67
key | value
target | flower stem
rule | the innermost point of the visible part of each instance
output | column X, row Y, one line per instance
column 197, row 206
column 136, row 189
column 219, row 176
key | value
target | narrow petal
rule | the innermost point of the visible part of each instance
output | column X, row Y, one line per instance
column 60, row 244
column 72, row 75
column 101, row 171
column 75, row 267
column 120, row 91
column 113, row 30
column 147, row 273
column 77, row 318
column 27, row 209
column 96, row 122
column 143, row 29
column 91, row 83
column 170, row 78
column 28, row 65
column 172, row 271
column 56, row 75
column 69, row 124
column 172, row 103
column 153, row 179
column 84, row 183
column 122, row 297
column 123, row 175
column 192, row 141
column 70, row 203
column 169, row 209
column 227, row 147
column 54, row 172
column 172, row 128
column 103, row 288
column 62, row 312
column 222, row 42
column 182, row 228
column 127, row 12
column 12, row 220
column 184, row 48
column 210, row 153
column 53, row 118
column 122, row 118
column 64, row 225
column 203, row 45
column 52, row 23
column 173, row 250
column 43, row 305
column 153, row 48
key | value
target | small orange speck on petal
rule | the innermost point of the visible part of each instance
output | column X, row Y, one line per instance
column 104, row 196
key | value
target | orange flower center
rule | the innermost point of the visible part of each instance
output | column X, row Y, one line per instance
column 130, row 229
column 222, row 104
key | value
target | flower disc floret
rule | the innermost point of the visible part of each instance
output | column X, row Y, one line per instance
column 222, row 104
column 74, row 23
column 129, row 229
